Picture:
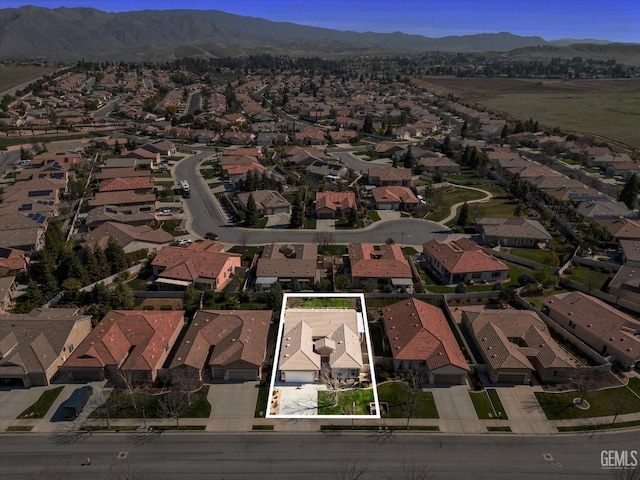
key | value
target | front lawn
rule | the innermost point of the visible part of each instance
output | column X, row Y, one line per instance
column 634, row 384
column 533, row 254
column 346, row 400
column 40, row 408
column 373, row 215
column 398, row 397
column 559, row 406
column 497, row 403
column 450, row 198
column 261, row 403
column 199, row 408
column 482, row 404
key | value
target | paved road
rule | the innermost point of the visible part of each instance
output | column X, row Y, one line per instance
column 208, row 216
column 266, row 456
column 108, row 108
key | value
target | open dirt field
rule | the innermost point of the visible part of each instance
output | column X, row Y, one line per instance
column 608, row 108
column 13, row 75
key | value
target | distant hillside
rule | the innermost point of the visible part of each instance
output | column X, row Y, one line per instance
column 71, row 33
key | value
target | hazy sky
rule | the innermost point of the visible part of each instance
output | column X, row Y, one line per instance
column 615, row 20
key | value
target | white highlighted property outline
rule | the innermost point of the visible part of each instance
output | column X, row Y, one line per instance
column 315, row 387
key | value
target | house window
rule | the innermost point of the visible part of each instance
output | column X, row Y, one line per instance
column 556, row 374
column 572, row 324
column 496, row 274
column 476, row 275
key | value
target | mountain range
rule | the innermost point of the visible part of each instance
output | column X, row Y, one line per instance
column 72, row 33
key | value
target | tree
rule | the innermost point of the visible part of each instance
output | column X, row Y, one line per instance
column 191, row 299
column 461, row 288
column 117, row 149
column 367, row 125
column 172, row 405
column 545, row 276
column 251, row 212
column 297, row 212
column 116, row 257
column 630, row 191
column 409, row 159
column 129, row 379
column 341, row 282
column 416, row 379
column 332, row 382
column 105, row 404
column 187, row 380
column 551, row 258
column 463, row 215
column 447, row 148
column 122, row 297
column 323, row 239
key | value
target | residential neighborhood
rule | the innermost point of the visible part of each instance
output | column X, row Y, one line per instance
column 311, row 245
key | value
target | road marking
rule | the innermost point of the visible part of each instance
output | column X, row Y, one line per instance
column 123, row 455
column 548, row 457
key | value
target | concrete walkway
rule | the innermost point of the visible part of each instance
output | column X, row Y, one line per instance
column 454, row 208
column 524, row 412
column 456, row 411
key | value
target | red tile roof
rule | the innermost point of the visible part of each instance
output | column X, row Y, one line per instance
column 128, row 183
column 387, row 262
column 191, row 264
column 146, row 334
column 335, row 200
column 462, row 256
column 419, row 331
column 394, row 194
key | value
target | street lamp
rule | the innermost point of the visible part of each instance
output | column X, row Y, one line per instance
column 144, row 419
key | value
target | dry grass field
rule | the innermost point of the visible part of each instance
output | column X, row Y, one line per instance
column 609, row 108
column 14, row 75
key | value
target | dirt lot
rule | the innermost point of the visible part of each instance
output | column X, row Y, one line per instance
column 607, row 108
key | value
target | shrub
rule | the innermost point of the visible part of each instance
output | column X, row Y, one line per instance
column 525, row 279
column 147, row 307
column 461, row 288
column 568, row 271
column 166, row 307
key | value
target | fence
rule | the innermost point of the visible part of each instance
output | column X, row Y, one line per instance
column 596, row 263
column 518, row 260
column 112, row 278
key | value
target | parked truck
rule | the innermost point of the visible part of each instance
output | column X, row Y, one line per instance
column 72, row 407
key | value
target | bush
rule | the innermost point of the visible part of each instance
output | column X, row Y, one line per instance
column 461, row 288
column 568, row 271
column 381, row 374
column 166, row 307
column 147, row 307
column 525, row 279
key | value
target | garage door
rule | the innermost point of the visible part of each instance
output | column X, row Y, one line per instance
column 12, row 382
column 447, row 379
column 511, row 378
column 241, row 375
column 298, row 377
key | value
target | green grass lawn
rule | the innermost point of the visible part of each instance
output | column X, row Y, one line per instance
column 482, row 404
column 261, row 403
column 373, row 215
column 409, row 251
column 587, row 276
column 333, row 249
column 534, row 254
column 199, row 408
column 514, row 273
column 497, row 404
column 601, row 426
column 398, row 397
column 559, row 406
column 537, row 301
column 634, row 384
column 261, row 223
column 40, row 408
column 346, row 400
column 499, row 206
column 321, row 302
column 310, row 223
column 450, row 198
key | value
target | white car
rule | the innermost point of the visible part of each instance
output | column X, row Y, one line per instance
column 184, row 241
column 165, row 213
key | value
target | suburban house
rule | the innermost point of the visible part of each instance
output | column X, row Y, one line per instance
column 328, row 172
column 127, row 197
column 441, row 164
column 129, row 237
column 110, row 173
column 394, row 198
column 22, row 232
column 203, row 264
column 269, row 202
column 8, row 287
column 422, row 342
column 607, row 330
column 285, row 264
column 132, row 215
column 380, row 266
column 621, row 228
column 12, row 261
column 605, row 210
column 321, row 338
column 389, row 176
column 630, row 252
column 463, row 261
column 517, row 344
column 127, row 346
column 512, row 232
column 139, row 185
column 335, row 204
column 626, row 284
column 144, row 158
column 223, row 344
column 33, row 345
column 162, row 147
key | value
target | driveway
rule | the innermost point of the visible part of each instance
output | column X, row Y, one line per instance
column 325, row 225
column 456, row 410
column 299, row 399
column 279, row 220
column 233, row 400
column 525, row 414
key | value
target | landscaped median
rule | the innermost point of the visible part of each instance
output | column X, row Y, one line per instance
column 40, row 408
column 488, row 405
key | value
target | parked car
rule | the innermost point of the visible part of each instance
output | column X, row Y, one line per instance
column 166, row 212
column 72, row 407
column 184, row 241
column 212, row 236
